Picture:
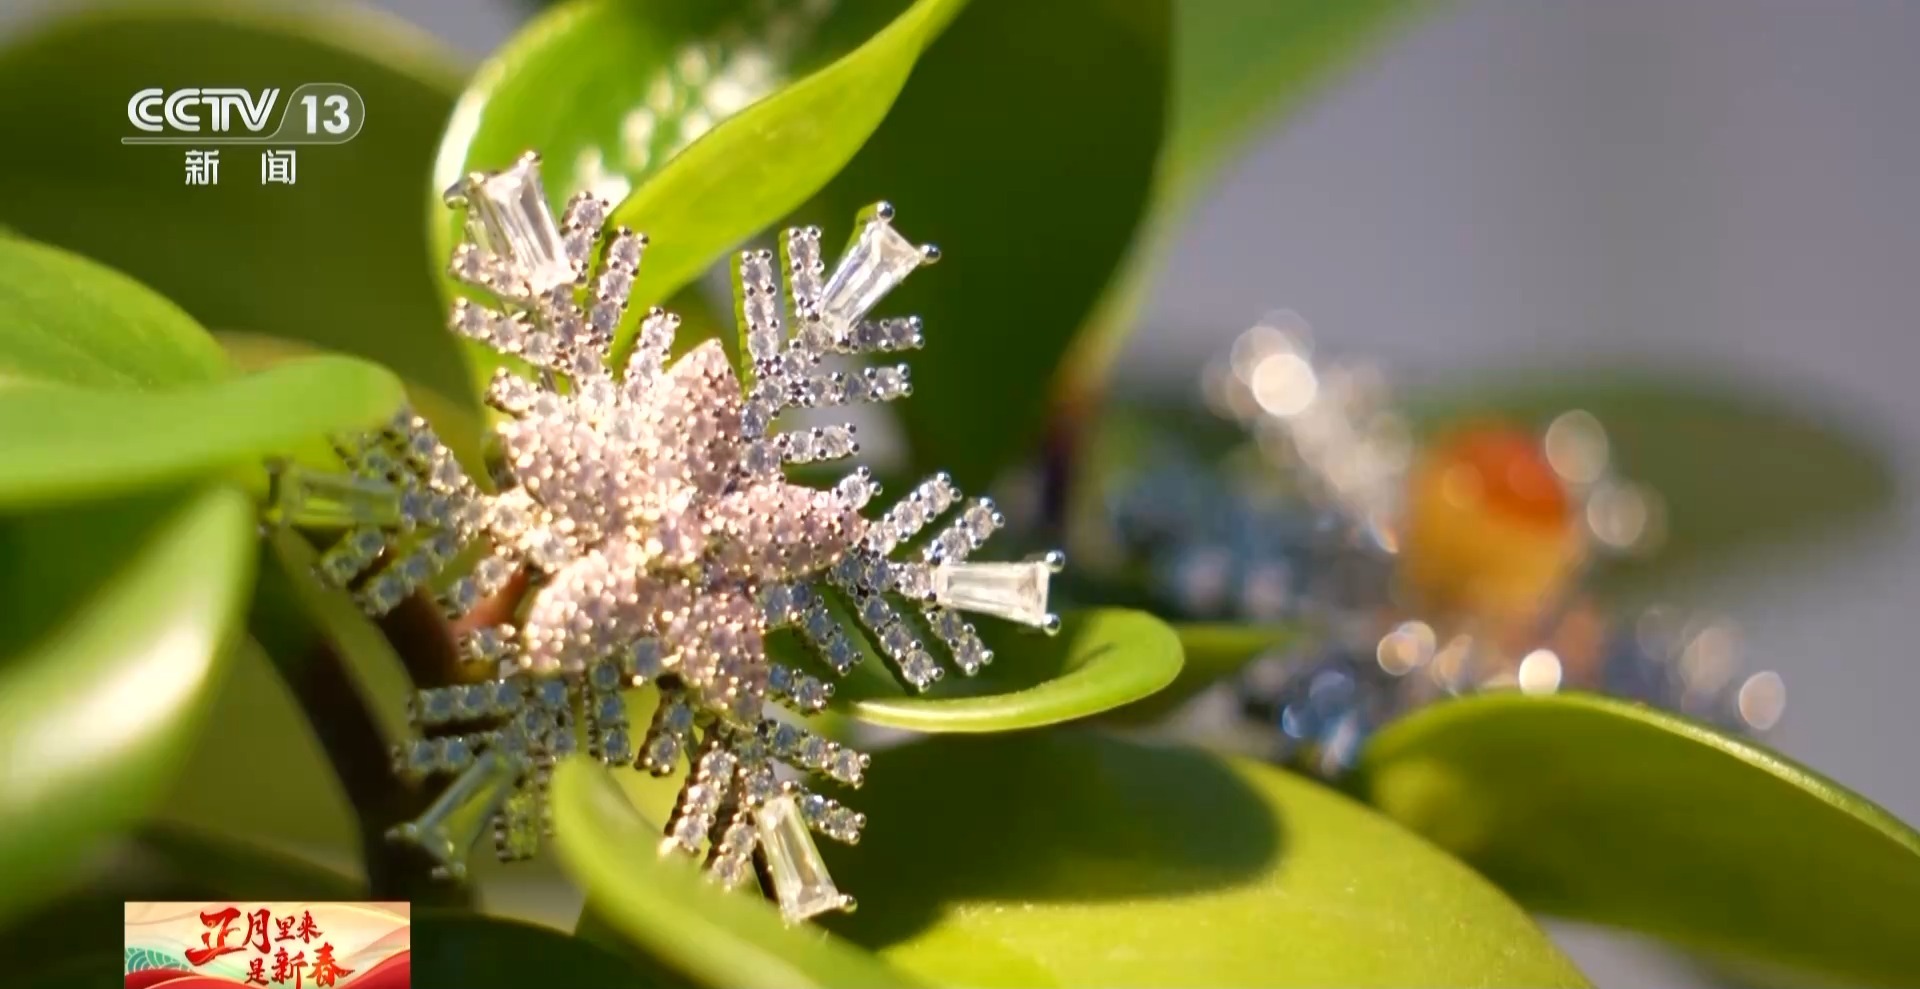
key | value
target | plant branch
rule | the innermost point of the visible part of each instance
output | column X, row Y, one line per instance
column 309, row 649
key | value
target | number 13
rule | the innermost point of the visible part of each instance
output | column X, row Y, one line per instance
column 337, row 124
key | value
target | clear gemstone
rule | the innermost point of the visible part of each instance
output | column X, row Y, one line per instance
column 846, row 766
column 800, row 879
column 586, row 210
column 778, row 603
column 422, row 756
column 646, row 660
column 761, row 787
column 785, row 738
column 912, row 581
column 690, row 831
column 702, row 799
column 730, row 871
column 434, row 706
column 809, row 694
column 456, row 755
column 842, row 823
column 476, row 700
column 511, row 215
column 662, row 753
column 812, row 751
column 1016, row 592
column 855, row 489
column 618, row 746
column 315, row 499
column 820, row 624
column 919, row 669
column 841, row 653
column 876, row 262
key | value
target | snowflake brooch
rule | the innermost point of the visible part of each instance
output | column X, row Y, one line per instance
column 639, row 524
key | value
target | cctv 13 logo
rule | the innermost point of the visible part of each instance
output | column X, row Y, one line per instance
column 314, row 113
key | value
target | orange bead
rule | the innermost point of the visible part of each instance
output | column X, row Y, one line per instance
column 1490, row 530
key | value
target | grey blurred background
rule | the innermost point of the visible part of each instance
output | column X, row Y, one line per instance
column 1727, row 184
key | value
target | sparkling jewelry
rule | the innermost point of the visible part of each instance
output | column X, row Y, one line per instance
column 1321, row 529
column 641, row 529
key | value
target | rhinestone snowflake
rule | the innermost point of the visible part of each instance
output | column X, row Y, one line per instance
column 641, row 513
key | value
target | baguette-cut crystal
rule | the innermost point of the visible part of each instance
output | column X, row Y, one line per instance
column 511, row 220
column 1016, row 592
column 323, row 500
column 878, row 259
column 800, row 879
column 457, row 818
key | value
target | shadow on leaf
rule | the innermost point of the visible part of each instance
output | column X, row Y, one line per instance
column 1059, row 816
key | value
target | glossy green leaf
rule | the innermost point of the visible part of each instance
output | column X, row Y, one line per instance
column 67, row 320
column 1100, row 660
column 679, row 112
column 1025, row 148
column 764, row 161
column 111, row 652
column 257, row 352
column 1611, row 812
column 106, row 387
column 670, row 911
column 1213, row 652
column 338, row 259
column 1737, row 468
column 68, row 442
column 1064, row 858
column 476, row 952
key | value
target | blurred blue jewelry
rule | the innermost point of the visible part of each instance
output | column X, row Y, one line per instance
column 1305, row 525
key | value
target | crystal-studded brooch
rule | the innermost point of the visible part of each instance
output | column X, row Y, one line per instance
column 1422, row 569
column 637, row 528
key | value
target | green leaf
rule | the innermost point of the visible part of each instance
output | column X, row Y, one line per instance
column 1025, row 148
column 666, row 908
column 339, row 259
column 1065, row 858
column 1099, row 661
column 72, row 442
column 1736, row 467
column 764, row 161
column 1213, row 652
column 1611, row 812
column 67, row 320
column 685, row 105
column 105, row 386
column 111, row 654
column 475, row 952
